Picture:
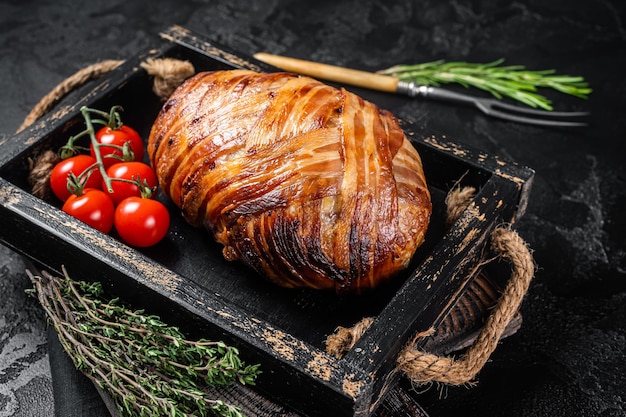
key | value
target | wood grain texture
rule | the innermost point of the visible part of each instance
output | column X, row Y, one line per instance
column 333, row 73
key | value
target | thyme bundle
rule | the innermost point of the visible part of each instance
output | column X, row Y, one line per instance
column 148, row 367
column 512, row 81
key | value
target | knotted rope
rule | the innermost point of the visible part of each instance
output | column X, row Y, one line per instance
column 168, row 74
column 423, row 367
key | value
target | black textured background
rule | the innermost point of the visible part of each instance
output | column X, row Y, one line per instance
column 569, row 358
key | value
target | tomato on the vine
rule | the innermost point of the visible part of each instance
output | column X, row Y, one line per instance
column 141, row 222
column 129, row 171
column 77, row 166
column 118, row 137
column 93, row 207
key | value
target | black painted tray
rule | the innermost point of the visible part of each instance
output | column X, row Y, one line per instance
column 186, row 281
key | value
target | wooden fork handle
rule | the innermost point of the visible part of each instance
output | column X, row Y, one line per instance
column 331, row 72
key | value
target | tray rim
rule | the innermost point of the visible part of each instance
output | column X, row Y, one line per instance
column 350, row 377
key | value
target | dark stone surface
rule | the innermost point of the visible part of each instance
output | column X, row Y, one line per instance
column 569, row 357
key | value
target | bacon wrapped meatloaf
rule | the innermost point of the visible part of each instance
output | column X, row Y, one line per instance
column 309, row 185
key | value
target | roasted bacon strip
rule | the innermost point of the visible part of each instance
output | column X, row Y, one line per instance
column 310, row 185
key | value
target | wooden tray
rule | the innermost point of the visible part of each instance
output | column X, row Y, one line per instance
column 186, row 281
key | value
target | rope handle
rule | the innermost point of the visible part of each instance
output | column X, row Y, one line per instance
column 423, row 367
column 68, row 85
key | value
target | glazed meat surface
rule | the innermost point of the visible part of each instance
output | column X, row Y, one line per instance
column 309, row 185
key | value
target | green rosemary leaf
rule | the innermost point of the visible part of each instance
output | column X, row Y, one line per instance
column 511, row 81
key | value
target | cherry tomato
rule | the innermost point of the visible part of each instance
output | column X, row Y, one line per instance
column 76, row 165
column 129, row 171
column 141, row 222
column 93, row 207
column 119, row 137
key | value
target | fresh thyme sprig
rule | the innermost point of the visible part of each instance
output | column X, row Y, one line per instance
column 513, row 81
column 147, row 367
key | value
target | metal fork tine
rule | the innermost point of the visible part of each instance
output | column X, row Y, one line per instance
column 532, row 120
column 501, row 110
column 536, row 112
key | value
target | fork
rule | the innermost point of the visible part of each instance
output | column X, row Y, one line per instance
column 496, row 108
column 489, row 107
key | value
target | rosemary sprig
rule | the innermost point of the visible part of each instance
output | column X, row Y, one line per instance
column 148, row 367
column 513, row 81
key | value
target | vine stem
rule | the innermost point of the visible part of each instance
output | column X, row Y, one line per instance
column 112, row 120
column 92, row 136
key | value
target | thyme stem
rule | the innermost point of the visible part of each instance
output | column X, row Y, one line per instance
column 148, row 367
